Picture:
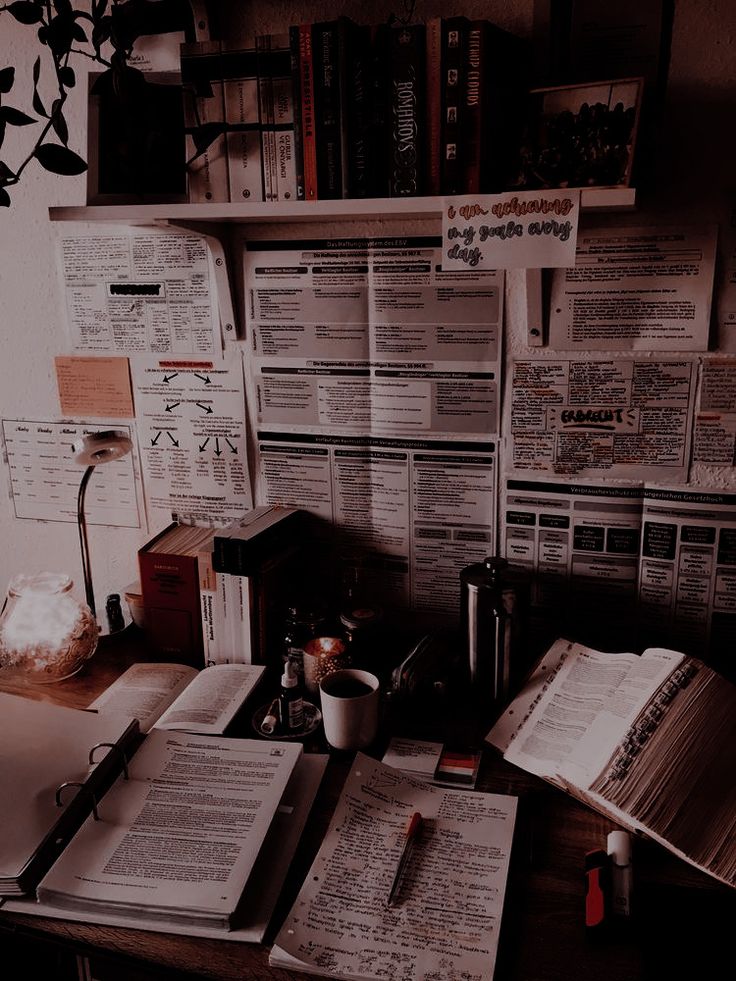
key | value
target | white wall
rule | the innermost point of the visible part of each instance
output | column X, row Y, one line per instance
column 694, row 182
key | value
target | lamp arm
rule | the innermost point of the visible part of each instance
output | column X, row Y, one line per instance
column 82, row 522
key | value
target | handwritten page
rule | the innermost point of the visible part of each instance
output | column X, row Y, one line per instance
column 451, row 898
column 94, row 387
column 524, row 230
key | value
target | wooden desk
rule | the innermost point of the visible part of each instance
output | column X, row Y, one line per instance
column 683, row 926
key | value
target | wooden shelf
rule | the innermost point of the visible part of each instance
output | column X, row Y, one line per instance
column 593, row 199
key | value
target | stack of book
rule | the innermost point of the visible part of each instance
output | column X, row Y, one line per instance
column 213, row 596
column 335, row 109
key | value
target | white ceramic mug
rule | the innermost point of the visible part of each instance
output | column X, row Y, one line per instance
column 350, row 700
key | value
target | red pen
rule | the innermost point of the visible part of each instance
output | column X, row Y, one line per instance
column 597, row 891
column 412, row 830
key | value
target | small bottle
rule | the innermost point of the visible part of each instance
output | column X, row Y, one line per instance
column 291, row 705
column 115, row 619
column 619, row 851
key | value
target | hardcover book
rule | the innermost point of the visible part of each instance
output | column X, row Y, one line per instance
column 170, row 586
column 454, row 58
column 330, row 106
column 243, row 128
column 406, row 115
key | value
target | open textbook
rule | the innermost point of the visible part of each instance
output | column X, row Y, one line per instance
column 450, row 899
column 179, row 697
column 649, row 740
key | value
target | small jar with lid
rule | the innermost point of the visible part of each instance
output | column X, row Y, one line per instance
column 304, row 622
column 360, row 627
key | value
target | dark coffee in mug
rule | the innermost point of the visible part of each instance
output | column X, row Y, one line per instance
column 346, row 687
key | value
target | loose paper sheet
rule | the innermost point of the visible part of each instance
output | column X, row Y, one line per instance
column 520, row 230
column 133, row 290
column 45, row 480
column 94, row 387
column 714, row 440
column 191, row 425
column 451, row 898
column 643, row 288
column 625, row 418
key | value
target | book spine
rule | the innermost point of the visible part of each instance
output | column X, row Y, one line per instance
column 433, row 102
column 170, row 590
column 266, row 118
column 454, row 37
column 242, row 612
column 327, row 104
column 283, row 118
column 204, row 122
column 357, row 111
column 243, row 129
column 296, row 95
column 407, row 111
column 306, row 85
column 474, row 108
column 207, row 597
column 379, row 108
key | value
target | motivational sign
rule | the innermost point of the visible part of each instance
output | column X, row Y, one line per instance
column 516, row 230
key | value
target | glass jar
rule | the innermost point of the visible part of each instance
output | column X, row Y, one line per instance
column 322, row 656
column 303, row 623
column 46, row 634
column 360, row 627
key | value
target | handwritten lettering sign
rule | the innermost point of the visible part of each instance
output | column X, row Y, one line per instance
column 516, row 230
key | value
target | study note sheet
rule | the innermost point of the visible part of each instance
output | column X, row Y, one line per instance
column 450, row 900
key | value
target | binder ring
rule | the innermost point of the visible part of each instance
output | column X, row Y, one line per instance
column 76, row 783
column 117, row 749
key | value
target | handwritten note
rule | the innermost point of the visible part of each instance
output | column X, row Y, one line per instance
column 94, row 387
column 517, row 230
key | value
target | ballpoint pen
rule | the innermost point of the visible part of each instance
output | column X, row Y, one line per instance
column 412, row 830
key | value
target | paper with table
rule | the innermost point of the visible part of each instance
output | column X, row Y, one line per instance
column 374, row 392
column 451, row 898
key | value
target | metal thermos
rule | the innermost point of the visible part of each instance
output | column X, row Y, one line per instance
column 488, row 617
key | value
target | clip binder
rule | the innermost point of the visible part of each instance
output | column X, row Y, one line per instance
column 76, row 783
column 117, row 749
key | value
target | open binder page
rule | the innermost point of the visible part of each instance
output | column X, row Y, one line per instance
column 42, row 747
column 264, row 883
column 178, row 840
column 450, row 899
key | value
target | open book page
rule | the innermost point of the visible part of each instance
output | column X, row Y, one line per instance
column 451, row 897
column 175, row 696
column 144, row 691
column 209, row 703
column 179, row 838
column 544, row 724
column 673, row 775
column 264, row 883
column 617, row 714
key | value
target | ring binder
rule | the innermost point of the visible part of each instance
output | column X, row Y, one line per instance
column 76, row 783
column 118, row 749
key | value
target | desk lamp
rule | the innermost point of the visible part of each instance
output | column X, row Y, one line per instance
column 90, row 451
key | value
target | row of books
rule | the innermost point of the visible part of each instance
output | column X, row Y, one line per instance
column 214, row 595
column 335, row 109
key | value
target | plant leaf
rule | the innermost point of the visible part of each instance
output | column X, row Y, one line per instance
column 26, row 11
column 67, row 77
column 2, row 130
column 38, row 105
column 205, row 135
column 59, row 159
column 36, row 70
column 15, row 117
column 78, row 33
column 4, row 198
column 7, row 77
column 63, row 7
column 58, row 122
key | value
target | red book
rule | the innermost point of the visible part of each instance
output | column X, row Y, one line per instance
column 171, row 595
column 306, row 85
